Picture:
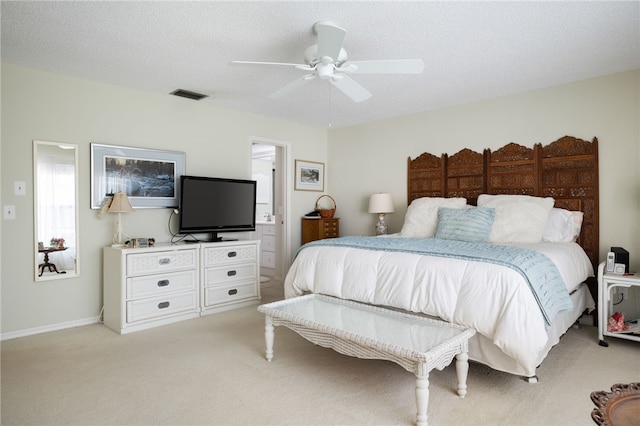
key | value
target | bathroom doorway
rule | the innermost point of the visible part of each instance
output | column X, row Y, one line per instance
column 269, row 161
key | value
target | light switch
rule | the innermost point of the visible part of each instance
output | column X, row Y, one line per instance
column 9, row 212
column 19, row 187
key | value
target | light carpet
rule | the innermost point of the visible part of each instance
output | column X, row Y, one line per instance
column 212, row 371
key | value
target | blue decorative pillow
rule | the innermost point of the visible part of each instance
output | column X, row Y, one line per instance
column 473, row 224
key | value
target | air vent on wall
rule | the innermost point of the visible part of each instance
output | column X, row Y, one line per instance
column 188, row 94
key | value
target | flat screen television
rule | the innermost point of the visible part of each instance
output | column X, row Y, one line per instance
column 214, row 205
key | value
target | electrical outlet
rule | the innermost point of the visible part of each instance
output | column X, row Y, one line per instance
column 9, row 212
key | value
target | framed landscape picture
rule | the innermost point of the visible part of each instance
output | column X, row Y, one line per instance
column 149, row 177
column 309, row 176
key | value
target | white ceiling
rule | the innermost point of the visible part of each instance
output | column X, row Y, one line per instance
column 471, row 50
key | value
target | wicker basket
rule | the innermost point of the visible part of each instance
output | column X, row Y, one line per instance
column 326, row 213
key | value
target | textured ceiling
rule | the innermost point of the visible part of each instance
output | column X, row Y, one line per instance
column 471, row 50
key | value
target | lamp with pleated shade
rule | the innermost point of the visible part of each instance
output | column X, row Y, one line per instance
column 119, row 204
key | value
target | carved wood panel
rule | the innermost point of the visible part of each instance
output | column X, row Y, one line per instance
column 426, row 177
column 566, row 170
column 465, row 175
column 513, row 169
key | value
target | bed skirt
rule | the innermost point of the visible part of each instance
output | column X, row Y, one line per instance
column 483, row 350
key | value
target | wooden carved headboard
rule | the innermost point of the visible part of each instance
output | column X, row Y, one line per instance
column 566, row 170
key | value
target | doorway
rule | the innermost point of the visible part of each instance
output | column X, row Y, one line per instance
column 269, row 161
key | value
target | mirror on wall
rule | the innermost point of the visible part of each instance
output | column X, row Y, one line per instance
column 55, row 191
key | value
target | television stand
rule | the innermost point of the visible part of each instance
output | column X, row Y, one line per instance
column 177, row 282
column 212, row 239
column 215, row 239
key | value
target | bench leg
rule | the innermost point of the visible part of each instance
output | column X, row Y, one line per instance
column 462, row 369
column 269, row 336
column 422, row 395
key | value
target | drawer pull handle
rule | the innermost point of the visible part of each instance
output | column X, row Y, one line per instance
column 163, row 283
column 233, row 291
column 232, row 254
column 231, row 273
column 163, row 305
column 165, row 261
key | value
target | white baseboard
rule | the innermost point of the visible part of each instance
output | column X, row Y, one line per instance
column 48, row 328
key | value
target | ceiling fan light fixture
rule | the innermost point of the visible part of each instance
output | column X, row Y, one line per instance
column 324, row 72
column 327, row 60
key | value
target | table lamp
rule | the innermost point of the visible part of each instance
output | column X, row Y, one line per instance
column 119, row 204
column 381, row 204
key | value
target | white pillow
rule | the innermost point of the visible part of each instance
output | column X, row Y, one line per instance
column 563, row 226
column 577, row 224
column 519, row 218
column 422, row 215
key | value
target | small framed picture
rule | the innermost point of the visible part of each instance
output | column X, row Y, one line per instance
column 309, row 176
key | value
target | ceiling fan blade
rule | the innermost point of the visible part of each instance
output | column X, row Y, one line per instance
column 351, row 88
column 266, row 64
column 293, row 86
column 392, row 66
column 330, row 39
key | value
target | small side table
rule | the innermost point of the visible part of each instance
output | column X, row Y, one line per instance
column 606, row 283
column 46, row 263
column 318, row 228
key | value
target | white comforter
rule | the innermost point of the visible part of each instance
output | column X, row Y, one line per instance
column 492, row 299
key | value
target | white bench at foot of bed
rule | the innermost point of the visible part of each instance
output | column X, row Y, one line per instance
column 416, row 343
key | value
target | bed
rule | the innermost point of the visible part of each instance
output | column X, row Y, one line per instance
column 504, row 242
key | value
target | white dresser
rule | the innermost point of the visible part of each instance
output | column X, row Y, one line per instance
column 153, row 286
column 147, row 287
column 266, row 233
column 230, row 275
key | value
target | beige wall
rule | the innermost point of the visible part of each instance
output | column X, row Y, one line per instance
column 53, row 107
column 373, row 157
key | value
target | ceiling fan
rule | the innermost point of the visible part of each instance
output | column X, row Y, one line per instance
column 327, row 60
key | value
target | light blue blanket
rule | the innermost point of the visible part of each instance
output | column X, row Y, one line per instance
column 540, row 273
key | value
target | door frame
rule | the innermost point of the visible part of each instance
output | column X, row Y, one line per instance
column 283, row 226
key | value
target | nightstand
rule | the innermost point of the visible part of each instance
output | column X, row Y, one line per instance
column 318, row 228
column 607, row 282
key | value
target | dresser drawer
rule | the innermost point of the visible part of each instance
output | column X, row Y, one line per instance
column 222, row 255
column 331, row 228
column 151, row 285
column 229, row 293
column 268, row 243
column 269, row 230
column 159, row 306
column 268, row 259
column 230, row 273
column 149, row 263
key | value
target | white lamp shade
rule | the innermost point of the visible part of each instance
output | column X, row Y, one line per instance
column 120, row 203
column 380, row 203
